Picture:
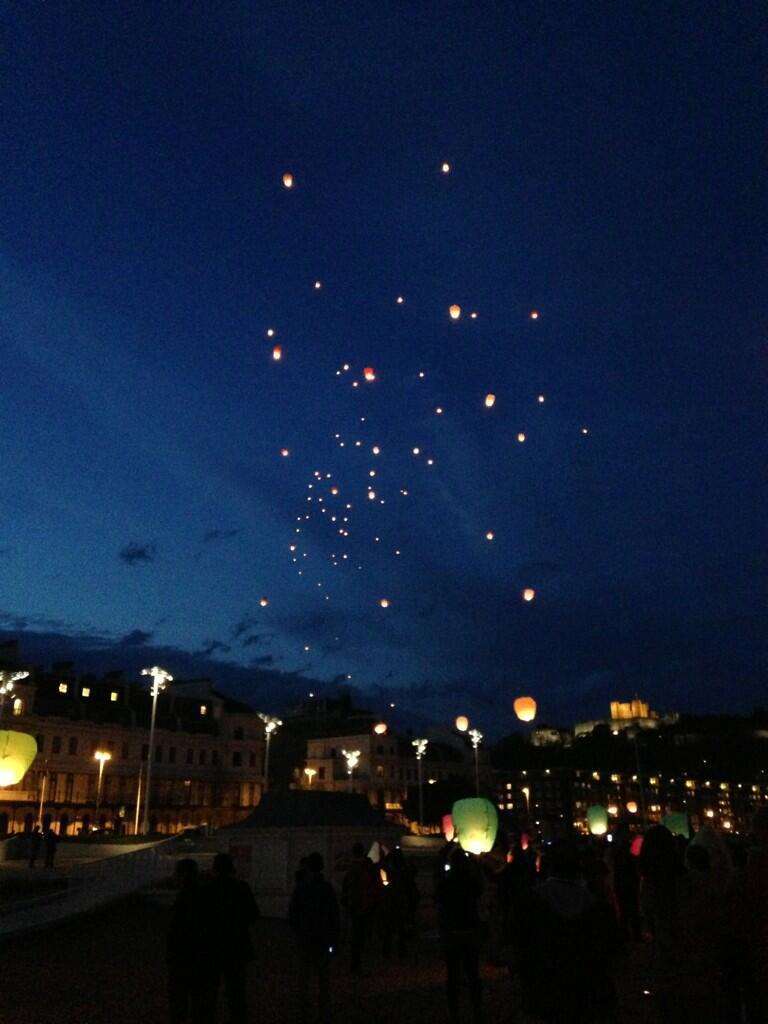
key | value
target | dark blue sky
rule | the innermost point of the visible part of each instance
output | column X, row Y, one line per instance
column 607, row 170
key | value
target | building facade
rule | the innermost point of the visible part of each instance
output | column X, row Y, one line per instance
column 207, row 762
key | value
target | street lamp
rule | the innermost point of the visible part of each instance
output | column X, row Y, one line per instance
column 352, row 757
column 7, row 679
column 271, row 725
column 310, row 773
column 159, row 679
column 421, row 748
column 102, row 756
column 476, row 737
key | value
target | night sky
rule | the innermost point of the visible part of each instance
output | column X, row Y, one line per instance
column 607, row 170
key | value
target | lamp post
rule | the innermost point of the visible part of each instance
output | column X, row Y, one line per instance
column 160, row 677
column 352, row 757
column 271, row 725
column 138, row 803
column 476, row 737
column 420, row 745
column 102, row 756
column 310, row 773
column 7, row 679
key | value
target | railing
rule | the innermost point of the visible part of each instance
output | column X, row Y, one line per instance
column 91, row 884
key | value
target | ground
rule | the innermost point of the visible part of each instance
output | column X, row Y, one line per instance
column 107, row 968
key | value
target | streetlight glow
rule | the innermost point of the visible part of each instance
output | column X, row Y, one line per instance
column 160, row 678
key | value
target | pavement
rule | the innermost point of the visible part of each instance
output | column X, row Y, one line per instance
column 108, row 968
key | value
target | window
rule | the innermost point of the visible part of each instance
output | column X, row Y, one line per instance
column 113, row 696
column 238, row 733
column 252, row 759
column 171, row 755
column 18, row 706
column 56, row 746
column 237, row 759
column 201, row 757
column 214, row 757
column 72, row 745
column 40, row 743
column 125, row 752
column 144, row 751
column 321, row 772
column 86, row 691
column 63, row 687
column 190, row 755
column 158, row 754
column 203, row 709
column 333, row 751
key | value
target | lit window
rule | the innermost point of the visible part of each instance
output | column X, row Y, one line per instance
column 18, row 706
column 723, row 785
column 203, row 709
column 86, row 691
column 63, row 687
column 596, row 776
column 615, row 778
column 653, row 780
column 113, row 696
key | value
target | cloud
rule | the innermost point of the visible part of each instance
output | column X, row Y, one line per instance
column 250, row 641
column 209, row 646
column 247, row 622
column 265, row 659
column 211, row 535
column 136, row 638
column 134, row 553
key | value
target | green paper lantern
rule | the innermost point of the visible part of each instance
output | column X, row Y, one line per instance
column 17, row 752
column 475, row 823
column 597, row 820
column 677, row 823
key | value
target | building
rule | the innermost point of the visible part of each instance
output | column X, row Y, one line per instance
column 626, row 715
column 207, row 766
column 385, row 768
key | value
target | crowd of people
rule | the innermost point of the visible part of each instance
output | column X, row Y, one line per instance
column 563, row 918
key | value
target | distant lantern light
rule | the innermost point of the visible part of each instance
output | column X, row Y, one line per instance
column 288, row 180
column 597, row 820
column 473, row 315
column 376, row 450
column 17, row 752
column 270, row 332
column 541, row 399
column 439, row 410
column 369, row 373
column 384, row 602
column 490, row 535
column 447, row 827
column 528, row 594
column 416, row 451
column 277, row 353
column 371, row 495
column 525, row 708
column 534, row 314
column 400, row 300
column 476, row 823
column 445, row 168
column 521, row 437
column 380, row 728
column 285, row 452
column 636, row 847
column 462, row 723
column 454, row 311
column 584, row 430
column 318, row 285
column 632, row 806
column 490, row 401
column 264, row 602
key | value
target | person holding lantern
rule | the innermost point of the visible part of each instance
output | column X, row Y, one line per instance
column 458, row 897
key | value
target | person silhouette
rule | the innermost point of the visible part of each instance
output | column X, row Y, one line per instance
column 185, row 947
column 314, row 919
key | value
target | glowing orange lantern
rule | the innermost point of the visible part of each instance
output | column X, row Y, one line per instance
column 528, row 594
column 384, row 602
column 264, row 602
column 632, row 806
column 490, row 535
column 534, row 314
column 446, row 168
column 448, row 830
column 521, row 437
column 525, row 708
column 369, row 373
column 277, row 353
column 288, row 180
column 462, row 723
column 380, row 728
column 454, row 311
column 284, row 452
column 490, row 401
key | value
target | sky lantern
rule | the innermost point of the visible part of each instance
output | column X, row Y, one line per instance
column 288, row 180
column 384, row 602
column 534, row 314
column 318, row 285
column 264, row 602
column 369, row 373
column 454, row 311
column 597, row 820
column 676, row 821
column 632, row 806
column 525, row 708
column 541, row 399
column 521, row 437
column 490, row 535
column 462, row 723
column 285, row 452
column 637, row 846
column 473, row 315
column 445, row 168
column 490, row 401
column 17, row 752
column 400, row 300
column 380, row 728
column 277, row 353
column 270, row 332
column 475, row 822
column 448, row 829
column 528, row 594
